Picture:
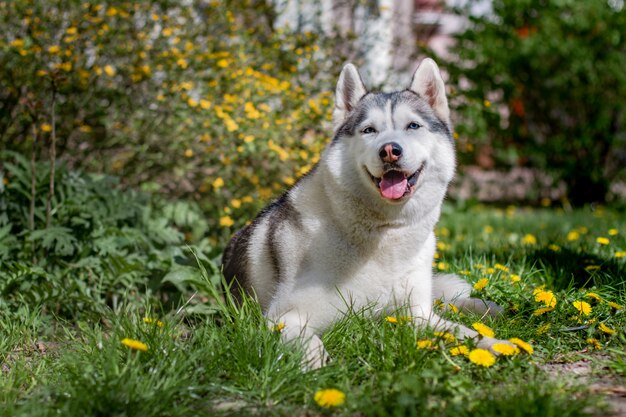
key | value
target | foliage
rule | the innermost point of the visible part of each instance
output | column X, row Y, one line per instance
column 103, row 246
column 184, row 96
column 541, row 83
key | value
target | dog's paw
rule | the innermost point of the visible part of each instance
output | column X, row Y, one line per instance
column 488, row 343
column 315, row 356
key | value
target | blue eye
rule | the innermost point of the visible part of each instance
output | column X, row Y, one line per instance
column 368, row 129
column 413, row 126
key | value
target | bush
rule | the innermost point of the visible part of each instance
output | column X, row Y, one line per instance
column 180, row 96
column 101, row 247
column 541, row 83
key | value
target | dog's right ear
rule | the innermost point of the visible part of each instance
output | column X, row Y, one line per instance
column 350, row 89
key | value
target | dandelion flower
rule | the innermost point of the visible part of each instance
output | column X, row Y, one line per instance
column 218, row 183
column 594, row 296
column 603, row 240
column 483, row 329
column 522, row 345
column 595, row 343
column 391, row 319
column 613, row 232
column 583, row 307
column 546, row 297
column 135, row 344
column 453, row 308
column 606, row 329
column 226, row 221
column 46, row 127
column 515, row 278
column 504, row 349
column 150, row 320
column 554, row 248
column 529, row 240
column 615, row 305
column 459, row 350
column 279, row 327
column 109, row 70
column 542, row 310
column 425, row 344
column 481, row 284
column 329, row 397
column 573, row 235
column 446, row 336
column 620, row 254
column 482, row 357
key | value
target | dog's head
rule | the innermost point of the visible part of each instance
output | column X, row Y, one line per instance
column 400, row 143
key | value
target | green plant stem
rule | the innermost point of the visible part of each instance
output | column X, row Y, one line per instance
column 53, row 155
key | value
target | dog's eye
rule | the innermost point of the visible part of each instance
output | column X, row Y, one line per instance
column 368, row 129
column 413, row 126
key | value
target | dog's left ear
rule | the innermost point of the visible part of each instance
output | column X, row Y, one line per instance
column 427, row 83
column 350, row 89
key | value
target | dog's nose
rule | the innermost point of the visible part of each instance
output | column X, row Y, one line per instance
column 390, row 152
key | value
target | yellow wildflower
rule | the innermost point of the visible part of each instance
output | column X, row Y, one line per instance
column 522, row 345
column 218, row 183
column 546, row 297
column 54, row 49
column 554, row 248
column 504, row 349
column 594, row 296
column 620, row 254
column 205, row 104
column 529, row 239
column 483, row 329
column 583, row 307
column 606, row 329
column 109, row 70
column 603, row 240
column 329, row 397
column 453, row 308
column 501, row 267
column 442, row 266
column 188, row 153
column 614, row 305
column 235, row 202
column 46, row 127
column 595, row 343
column 515, row 278
column 425, row 344
column 150, row 320
column 446, row 336
column 279, row 327
column 226, row 221
column 481, row 284
column 573, row 235
column 487, row 103
column 135, row 344
column 613, row 232
column 391, row 319
column 482, row 357
column 542, row 310
column 459, row 350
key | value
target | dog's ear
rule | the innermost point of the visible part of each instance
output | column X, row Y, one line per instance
column 350, row 89
column 427, row 83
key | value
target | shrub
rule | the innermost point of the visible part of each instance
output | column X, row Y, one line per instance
column 542, row 84
column 181, row 96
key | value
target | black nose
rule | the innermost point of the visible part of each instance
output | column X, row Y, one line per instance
column 390, row 152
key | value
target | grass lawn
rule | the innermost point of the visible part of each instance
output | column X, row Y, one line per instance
column 560, row 277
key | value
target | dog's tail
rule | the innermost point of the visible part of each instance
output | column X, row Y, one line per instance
column 450, row 288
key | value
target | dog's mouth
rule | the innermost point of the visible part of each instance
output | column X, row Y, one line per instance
column 396, row 184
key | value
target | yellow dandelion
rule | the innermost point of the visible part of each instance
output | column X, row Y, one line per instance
column 459, row 350
column 192, row 103
column 504, row 349
column 606, row 329
column 483, row 329
column 226, row 221
column 603, row 240
column 614, row 305
column 442, row 266
column 182, row 62
column 591, row 268
column 223, row 63
column 446, row 336
column 46, row 127
column 482, row 357
column 391, row 319
column 135, row 344
column 279, row 327
column 542, row 310
column 594, row 296
column 501, row 267
column 595, row 343
column 546, row 297
column 620, row 254
column 543, row 328
column 54, row 49
column 109, row 70
column 188, row 153
column 425, row 344
column 481, row 284
column 205, row 104
column 218, row 183
column 515, row 278
column 583, row 307
column 573, row 235
column 329, row 397
column 529, row 240
column 453, row 308
column 613, row 232
column 554, row 248
column 235, row 202
column 487, row 103
column 526, row 347
column 150, row 320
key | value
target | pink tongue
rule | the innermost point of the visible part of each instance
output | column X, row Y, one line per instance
column 393, row 185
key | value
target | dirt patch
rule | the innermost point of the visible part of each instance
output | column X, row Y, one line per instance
column 591, row 371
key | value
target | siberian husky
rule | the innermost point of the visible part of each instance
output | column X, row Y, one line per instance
column 358, row 230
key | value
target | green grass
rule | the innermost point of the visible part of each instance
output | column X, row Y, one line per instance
column 225, row 361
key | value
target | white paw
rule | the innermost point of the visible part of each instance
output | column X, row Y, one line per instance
column 315, row 356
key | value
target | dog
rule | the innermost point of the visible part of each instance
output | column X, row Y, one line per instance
column 358, row 229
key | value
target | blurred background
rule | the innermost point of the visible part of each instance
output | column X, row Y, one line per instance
column 225, row 104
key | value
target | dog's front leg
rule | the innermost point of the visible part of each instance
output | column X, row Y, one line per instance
column 294, row 329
